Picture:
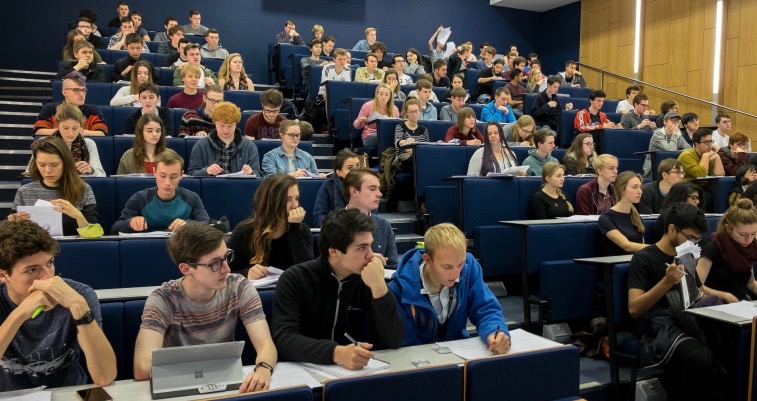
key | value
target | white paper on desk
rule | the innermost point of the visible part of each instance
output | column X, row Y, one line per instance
column 451, row 49
column 237, row 174
column 451, row 142
column 444, row 35
column 388, row 274
column 339, row 371
column 146, row 234
column 271, row 278
column 581, row 217
column 468, row 348
column 523, row 341
column 31, row 394
column 743, row 309
column 44, row 214
column 287, row 374
column 374, row 116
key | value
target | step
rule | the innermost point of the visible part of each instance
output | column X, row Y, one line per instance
column 23, row 106
column 406, row 242
column 17, row 130
column 11, row 173
column 8, row 190
column 323, row 149
column 320, row 138
column 15, row 157
column 324, row 162
column 17, row 117
column 26, row 91
column 27, row 74
column 26, row 98
column 16, row 142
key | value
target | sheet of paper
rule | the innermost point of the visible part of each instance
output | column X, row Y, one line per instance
column 468, row 348
column 134, row 175
column 272, row 277
column 388, row 274
column 374, row 116
column 580, row 217
column 338, row 371
column 516, row 170
column 237, row 174
column 444, row 35
column 451, row 49
column 46, row 217
column 32, row 394
column 743, row 309
column 287, row 374
column 146, row 234
column 523, row 341
column 686, row 248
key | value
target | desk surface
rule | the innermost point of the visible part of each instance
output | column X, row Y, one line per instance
column 604, row 260
column 124, row 294
column 720, row 316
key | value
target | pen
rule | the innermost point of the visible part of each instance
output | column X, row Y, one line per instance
column 352, row 340
column 38, row 311
column 684, row 271
column 496, row 333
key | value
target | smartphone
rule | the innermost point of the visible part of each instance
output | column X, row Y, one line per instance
column 94, row 394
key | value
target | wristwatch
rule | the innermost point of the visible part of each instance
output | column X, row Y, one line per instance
column 264, row 365
column 86, row 318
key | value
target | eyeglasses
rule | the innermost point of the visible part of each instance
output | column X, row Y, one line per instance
column 689, row 237
column 294, row 136
column 676, row 172
column 217, row 264
column 707, row 142
column 84, row 27
column 269, row 111
column 695, row 198
column 525, row 131
column 724, row 122
column 589, row 144
column 78, row 91
column 213, row 101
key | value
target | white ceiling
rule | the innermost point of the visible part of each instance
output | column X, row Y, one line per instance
column 531, row 5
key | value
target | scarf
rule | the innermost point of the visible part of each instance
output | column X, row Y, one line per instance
column 739, row 258
column 79, row 149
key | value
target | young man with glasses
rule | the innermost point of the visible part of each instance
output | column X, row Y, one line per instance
column 659, row 289
column 84, row 25
column 635, row 119
column 592, row 120
column 670, row 172
column 204, row 306
column 74, row 92
column 720, row 136
column 199, row 122
column 701, row 160
column 164, row 207
column 265, row 125
column 668, row 138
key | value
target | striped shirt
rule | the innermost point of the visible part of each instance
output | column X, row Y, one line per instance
column 182, row 321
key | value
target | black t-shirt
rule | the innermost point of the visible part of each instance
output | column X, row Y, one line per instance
column 443, row 82
column 648, row 268
column 545, row 207
column 595, row 119
column 612, row 220
column 721, row 277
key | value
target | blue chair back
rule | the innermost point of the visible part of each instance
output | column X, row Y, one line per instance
column 94, row 263
column 105, row 152
column 145, row 262
column 113, row 328
column 236, row 208
column 104, row 189
column 443, row 383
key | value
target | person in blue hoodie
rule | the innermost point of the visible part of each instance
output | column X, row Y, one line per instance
column 544, row 139
column 499, row 109
column 442, row 286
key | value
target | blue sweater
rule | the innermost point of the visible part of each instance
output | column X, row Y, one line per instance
column 490, row 112
column 159, row 214
column 474, row 301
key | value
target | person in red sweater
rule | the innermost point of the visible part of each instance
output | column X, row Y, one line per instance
column 191, row 97
column 592, row 120
column 465, row 130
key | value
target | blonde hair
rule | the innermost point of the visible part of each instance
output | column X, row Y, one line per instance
column 227, row 113
column 389, row 104
column 317, row 28
column 369, row 30
column 620, row 188
column 445, row 234
column 189, row 68
column 66, row 111
column 522, row 122
column 742, row 212
column 549, row 170
column 602, row 160
column 225, row 71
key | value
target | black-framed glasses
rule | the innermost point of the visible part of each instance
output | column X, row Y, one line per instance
column 690, row 237
column 217, row 264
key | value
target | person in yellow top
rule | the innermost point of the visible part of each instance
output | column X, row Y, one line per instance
column 701, row 160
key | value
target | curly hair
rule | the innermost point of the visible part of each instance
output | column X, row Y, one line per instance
column 22, row 238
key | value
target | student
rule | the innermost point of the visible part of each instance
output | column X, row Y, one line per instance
column 571, row 76
column 734, row 155
column 537, row 82
column 670, row 172
column 72, row 37
column 413, row 66
column 580, row 156
column 129, row 95
column 199, row 122
column 517, row 90
column 635, row 118
column 149, row 141
column 213, row 49
column 194, row 27
column 176, row 57
column 546, row 108
column 204, row 306
column 537, row 158
column 74, row 92
column 487, row 57
column 84, row 150
column 666, row 107
column 288, row 158
column 123, row 12
column 592, row 120
column 306, row 63
column 232, row 75
column 46, row 350
column 427, row 110
column 745, row 175
column 205, row 78
column 122, row 68
column 398, row 64
column 136, row 18
column 364, row 45
column 265, row 125
column 726, row 267
column 414, row 93
column 457, row 101
column 495, row 156
column 720, row 135
column 168, row 23
column 499, row 109
column 191, row 97
column 310, row 310
column 331, row 195
column 667, row 138
column 85, row 26
column 440, row 288
column 274, row 235
column 171, row 45
column 84, row 64
column 439, row 76
column 685, row 192
column 435, row 47
column 655, row 298
column 701, row 160
column 550, row 202
column 338, row 71
column 465, row 130
column 55, row 179
column 371, row 72
column 289, row 35
column 121, row 40
column 625, row 105
column 621, row 227
column 457, row 82
column 317, row 31
column 224, row 150
column 390, row 78
column 165, row 206
column 597, row 196
column 408, row 132
column 327, row 49
column 522, row 132
column 149, row 97
column 383, row 104
column 456, row 61
column 690, row 123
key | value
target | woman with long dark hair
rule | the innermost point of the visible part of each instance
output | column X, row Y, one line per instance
column 149, row 141
column 496, row 156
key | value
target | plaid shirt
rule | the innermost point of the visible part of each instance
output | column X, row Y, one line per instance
column 224, row 160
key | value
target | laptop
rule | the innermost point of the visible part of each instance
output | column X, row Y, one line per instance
column 196, row 369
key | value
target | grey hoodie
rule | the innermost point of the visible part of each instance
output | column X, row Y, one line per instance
column 535, row 162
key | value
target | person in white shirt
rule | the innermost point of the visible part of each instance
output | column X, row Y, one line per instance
column 339, row 71
column 720, row 136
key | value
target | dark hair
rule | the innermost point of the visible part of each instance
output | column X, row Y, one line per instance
column 683, row 215
column 423, row 84
column 667, row 105
column 148, row 86
column 211, row 30
column 680, row 193
column 498, row 61
column 368, row 55
column 70, row 185
column 668, row 165
column 328, row 38
column 416, row 52
column 751, row 192
column 378, row 46
column 632, row 88
column 532, row 55
column 314, row 42
column 597, row 93
column 22, row 238
column 638, row 98
column 541, row 135
column 169, row 19
column 687, row 117
column 741, row 173
column 355, row 178
column 342, row 157
column 519, row 60
column 84, row 19
column 272, row 97
column 191, row 46
column 699, row 134
column 133, row 13
column 515, row 72
column 488, row 160
column 721, row 116
column 176, row 28
column 138, row 154
column 192, row 241
column 569, row 62
column 122, row 3
column 394, row 58
column 134, row 38
column 485, row 44
column 439, row 63
column 552, row 79
column 269, row 215
column 501, row 90
column 536, row 62
column 340, row 227
column 576, row 151
column 125, row 20
column 193, row 12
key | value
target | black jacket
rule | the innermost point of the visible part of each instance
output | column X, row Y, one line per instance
column 544, row 114
column 93, row 73
column 312, row 310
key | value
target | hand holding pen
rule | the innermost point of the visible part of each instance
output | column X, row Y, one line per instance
column 354, row 356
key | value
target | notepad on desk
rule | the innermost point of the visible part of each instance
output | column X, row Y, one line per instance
column 520, row 340
column 744, row 309
column 509, row 171
column 146, row 234
column 287, row 374
column 271, row 278
column 339, row 371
